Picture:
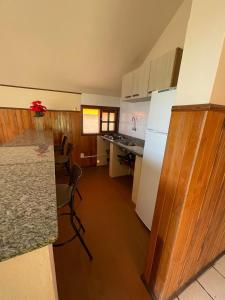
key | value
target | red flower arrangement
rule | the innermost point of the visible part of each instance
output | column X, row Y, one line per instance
column 38, row 108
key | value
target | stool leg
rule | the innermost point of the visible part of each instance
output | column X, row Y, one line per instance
column 80, row 238
column 78, row 192
column 78, row 220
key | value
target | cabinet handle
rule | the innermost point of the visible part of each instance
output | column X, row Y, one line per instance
column 135, row 95
column 149, row 92
column 127, row 96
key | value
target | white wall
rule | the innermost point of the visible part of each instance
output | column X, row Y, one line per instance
column 77, row 45
column 202, row 52
column 172, row 37
column 174, row 34
column 22, row 98
column 100, row 100
column 140, row 111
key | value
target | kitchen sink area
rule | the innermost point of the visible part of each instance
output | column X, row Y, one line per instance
column 124, row 157
column 127, row 142
column 134, row 145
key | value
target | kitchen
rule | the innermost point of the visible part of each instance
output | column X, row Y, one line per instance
column 119, row 155
column 126, row 152
column 148, row 94
column 112, row 183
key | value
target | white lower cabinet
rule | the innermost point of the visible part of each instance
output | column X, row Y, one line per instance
column 136, row 179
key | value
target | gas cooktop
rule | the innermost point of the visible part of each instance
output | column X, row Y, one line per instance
column 113, row 137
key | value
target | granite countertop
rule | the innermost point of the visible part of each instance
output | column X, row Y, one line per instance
column 137, row 150
column 31, row 138
column 28, row 210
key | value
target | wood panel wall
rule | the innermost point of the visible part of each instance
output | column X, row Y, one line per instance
column 14, row 121
column 188, row 229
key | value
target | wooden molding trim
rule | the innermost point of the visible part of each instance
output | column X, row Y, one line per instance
column 39, row 89
column 199, row 107
column 53, row 110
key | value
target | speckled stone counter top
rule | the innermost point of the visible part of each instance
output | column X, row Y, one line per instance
column 28, row 212
column 31, row 138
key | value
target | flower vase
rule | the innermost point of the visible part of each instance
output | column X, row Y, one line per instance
column 39, row 121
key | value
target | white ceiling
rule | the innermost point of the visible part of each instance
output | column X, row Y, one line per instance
column 77, row 45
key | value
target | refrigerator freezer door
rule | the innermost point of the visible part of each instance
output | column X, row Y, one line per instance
column 150, row 174
column 160, row 110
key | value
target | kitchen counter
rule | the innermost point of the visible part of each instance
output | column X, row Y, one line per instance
column 28, row 210
column 31, row 138
column 137, row 150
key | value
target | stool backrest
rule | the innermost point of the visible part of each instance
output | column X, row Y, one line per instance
column 75, row 175
column 69, row 149
column 63, row 144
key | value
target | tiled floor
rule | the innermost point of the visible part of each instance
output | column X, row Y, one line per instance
column 210, row 285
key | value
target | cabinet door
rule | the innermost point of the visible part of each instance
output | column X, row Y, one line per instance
column 165, row 65
column 164, row 70
column 127, row 85
column 153, row 76
column 144, row 79
column 136, row 83
column 140, row 81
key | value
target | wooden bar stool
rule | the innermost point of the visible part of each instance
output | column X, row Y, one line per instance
column 65, row 159
column 65, row 196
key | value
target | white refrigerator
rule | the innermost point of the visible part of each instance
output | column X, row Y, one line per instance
column 155, row 143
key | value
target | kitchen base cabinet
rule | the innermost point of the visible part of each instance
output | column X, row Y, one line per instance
column 136, row 179
column 102, row 152
column 115, row 167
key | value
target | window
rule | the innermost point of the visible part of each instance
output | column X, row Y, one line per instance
column 98, row 120
column 108, row 121
column 91, row 124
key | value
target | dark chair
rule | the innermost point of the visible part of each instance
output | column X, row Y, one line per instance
column 61, row 148
column 65, row 159
column 65, row 196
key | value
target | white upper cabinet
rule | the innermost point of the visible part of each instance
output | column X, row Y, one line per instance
column 135, row 83
column 164, row 71
column 127, row 85
column 144, row 79
column 157, row 74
